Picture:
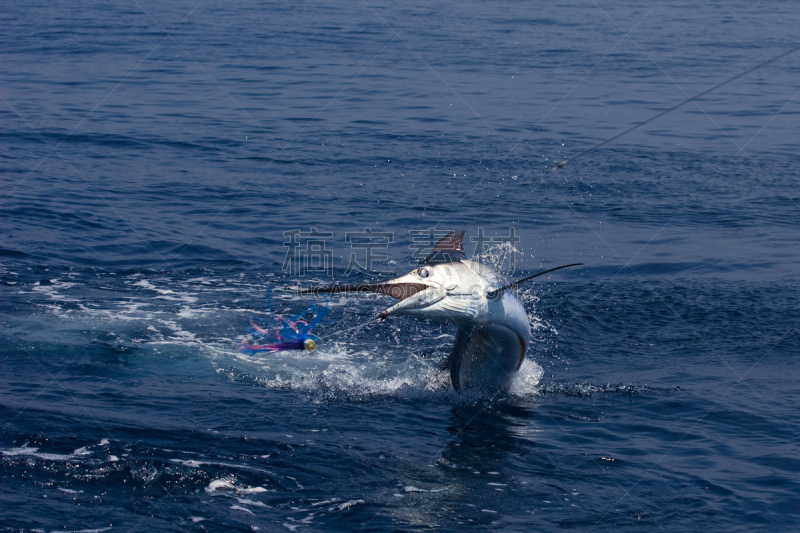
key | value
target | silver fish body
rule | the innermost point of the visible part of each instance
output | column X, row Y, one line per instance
column 493, row 328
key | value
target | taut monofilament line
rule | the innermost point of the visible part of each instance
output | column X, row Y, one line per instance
column 676, row 106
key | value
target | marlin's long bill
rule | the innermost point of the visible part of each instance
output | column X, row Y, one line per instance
column 398, row 291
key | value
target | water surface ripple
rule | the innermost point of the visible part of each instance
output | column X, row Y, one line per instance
column 154, row 155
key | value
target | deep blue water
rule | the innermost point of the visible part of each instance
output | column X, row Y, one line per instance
column 154, row 154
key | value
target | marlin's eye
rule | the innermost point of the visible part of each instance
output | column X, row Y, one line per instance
column 424, row 272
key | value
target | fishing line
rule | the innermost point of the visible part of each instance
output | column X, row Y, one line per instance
column 673, row 108
column 340, row 332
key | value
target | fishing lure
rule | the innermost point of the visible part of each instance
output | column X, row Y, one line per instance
column 287, row 334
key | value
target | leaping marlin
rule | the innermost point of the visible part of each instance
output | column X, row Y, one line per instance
column 493, row 327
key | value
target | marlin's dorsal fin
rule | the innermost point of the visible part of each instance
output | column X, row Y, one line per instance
column 495, row 292
column 449, row 249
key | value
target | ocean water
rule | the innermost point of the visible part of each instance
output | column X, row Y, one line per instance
column 157, row 159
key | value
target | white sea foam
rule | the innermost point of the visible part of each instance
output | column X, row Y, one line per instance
column 188, row 313
column 345, row 365
column 84, row 530
column 347, row 505
column 336, row 370
column 325, row 502
column 201, row 280
column 250, row 490
column 219, row 484
column 175, row 297
column 54, row 291
column 228, row 484
column 527, row 380
column 188, row 462
column 34, row 452
column 248, row 501
column 411, row 488
column 198, row 464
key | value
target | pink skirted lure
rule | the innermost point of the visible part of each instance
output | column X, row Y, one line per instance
column 286, row 334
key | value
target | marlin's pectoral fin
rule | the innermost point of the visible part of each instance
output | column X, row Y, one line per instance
column 462, row 337
column 485, row 358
